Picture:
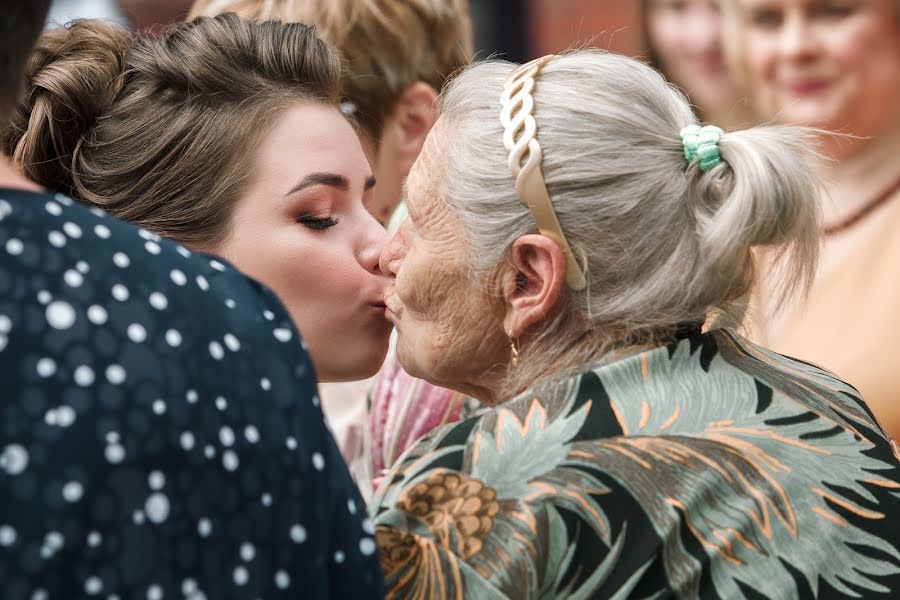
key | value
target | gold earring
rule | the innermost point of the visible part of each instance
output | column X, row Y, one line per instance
column 513, row 350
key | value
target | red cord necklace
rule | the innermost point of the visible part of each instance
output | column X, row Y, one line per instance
column 863, row 212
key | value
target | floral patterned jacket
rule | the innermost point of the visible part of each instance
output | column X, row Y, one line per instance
column 707, row 468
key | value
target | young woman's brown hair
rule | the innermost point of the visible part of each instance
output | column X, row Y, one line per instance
column 159, row 130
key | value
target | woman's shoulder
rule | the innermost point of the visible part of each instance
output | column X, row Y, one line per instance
column 757, row 460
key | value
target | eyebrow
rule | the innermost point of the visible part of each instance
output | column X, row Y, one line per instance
column 330, row 179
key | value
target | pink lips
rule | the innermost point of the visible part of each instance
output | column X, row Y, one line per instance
column 807, row 87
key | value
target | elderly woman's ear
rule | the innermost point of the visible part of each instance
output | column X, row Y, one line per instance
column 533, row 283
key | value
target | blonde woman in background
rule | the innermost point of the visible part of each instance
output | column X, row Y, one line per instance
column 683, row 39
column 836, row 65
column 396, row 57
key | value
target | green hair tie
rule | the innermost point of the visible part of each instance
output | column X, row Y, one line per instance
column 702, row 143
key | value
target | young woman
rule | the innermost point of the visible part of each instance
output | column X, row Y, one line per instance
column 224, row 135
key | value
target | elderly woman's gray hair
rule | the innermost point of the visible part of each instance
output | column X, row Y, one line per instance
column 660, row 241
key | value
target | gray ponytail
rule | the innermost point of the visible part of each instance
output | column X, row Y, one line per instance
column 661, row 242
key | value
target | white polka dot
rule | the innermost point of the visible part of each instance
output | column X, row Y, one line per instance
column 94, row 539
column 57, row 239
column 15, row 246
column 72, row 230
column 53, row 208
column 112, row 437
column 178, row 277
column 209, row 452
column 72, row 491
column 368, row 526
column 102, row 231
column 248, row 552
column 44, row 297
column 204, row 527
column 183, row 251
column 115, row 374
column 265, row 384
column 221, row 403
column 60, row 315
column 202, row 283
column 14, row 459
column 82, row 267
column 158, row 301
column 216, row 350
column 114, row 454
column 5, row 324
column 54, row 540
column 154, row 592
column 137, row 333
column 93, row 586
column 315, row 400
column 251, row 433
column 282, row 335
column 173, row 338
column 97, row 314
column 73, row 278
column 147, row 235
column 282, row 580
column 241, row 576
column 187, row 440
column 46, row 367
column 230, row 460
column 157, row 507
column 120, row 292
column 5, row 209
column 232, row 342
column 121, row 260
column 351, row 506
column 226, row 436
column 230, row 303
column 65, row 416
column 266, row 499
column 138, row 517
column 318, row 461
column 298, row 534
column 188, row 586
column 152, row 247
column 3, row 342
column 156, row 480
column 159, row 407
column 217, row 265
column 192, row 396
column 83, row 376
column 8, row 536
column 269, row 315
column 339, row 557
column 367, row 546
column 63, row 199
column 291, row 443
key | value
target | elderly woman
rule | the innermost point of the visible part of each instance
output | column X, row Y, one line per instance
column 571, row 231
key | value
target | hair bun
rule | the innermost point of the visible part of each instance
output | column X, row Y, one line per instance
column 72, row 78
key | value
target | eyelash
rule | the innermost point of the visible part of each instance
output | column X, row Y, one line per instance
column 317, row 224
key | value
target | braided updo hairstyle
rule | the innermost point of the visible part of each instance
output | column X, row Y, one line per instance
column 159, row 131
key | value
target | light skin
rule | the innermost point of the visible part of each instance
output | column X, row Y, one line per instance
column 687, row 38
column 833, row 64
column 454, row 329
column 304, row 228
column 402, row 137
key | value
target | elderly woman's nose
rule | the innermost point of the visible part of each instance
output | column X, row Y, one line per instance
column 393, row 253
column 796, row 39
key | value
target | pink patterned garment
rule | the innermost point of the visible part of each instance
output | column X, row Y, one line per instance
column 403, row 410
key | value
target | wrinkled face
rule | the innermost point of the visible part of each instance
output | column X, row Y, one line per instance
column 448, row 331
column 303, row 229
column 833, row 64
column 687, row 38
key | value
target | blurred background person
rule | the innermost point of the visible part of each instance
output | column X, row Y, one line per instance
column 835, row 65
column 683, row 40
column 140, row 14
column 396, row 58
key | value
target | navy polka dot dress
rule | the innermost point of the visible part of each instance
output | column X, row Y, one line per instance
column 160, row 436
